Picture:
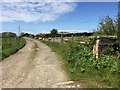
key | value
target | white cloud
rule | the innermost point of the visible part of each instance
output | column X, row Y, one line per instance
column 28, row 11
column 61, row 0
column 27, row 31
column 74, row 31
column 40, row 0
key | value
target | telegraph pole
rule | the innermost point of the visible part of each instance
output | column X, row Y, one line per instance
column 18, row 34
column 19, row 30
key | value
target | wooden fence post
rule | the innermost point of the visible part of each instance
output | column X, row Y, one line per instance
column 62, row 37
column 97, row 49
column 72, row 38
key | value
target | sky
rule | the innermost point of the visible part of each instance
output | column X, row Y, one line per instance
column 41, row 17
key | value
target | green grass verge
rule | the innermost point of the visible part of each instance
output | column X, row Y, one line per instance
column 83, row 67
column 11, row 45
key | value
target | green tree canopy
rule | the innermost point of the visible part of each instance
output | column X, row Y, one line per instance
column 54, row 32
column 108, row 26
column 118, row 22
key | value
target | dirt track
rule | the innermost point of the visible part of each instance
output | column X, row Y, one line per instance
column 34, row 66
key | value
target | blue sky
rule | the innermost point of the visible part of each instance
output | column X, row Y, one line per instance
column 70, row 16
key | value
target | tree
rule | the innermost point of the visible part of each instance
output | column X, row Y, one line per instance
column 118, row 20
column 54, row 32
column 107, row 26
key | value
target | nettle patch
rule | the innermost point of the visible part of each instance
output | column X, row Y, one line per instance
column 82, row 61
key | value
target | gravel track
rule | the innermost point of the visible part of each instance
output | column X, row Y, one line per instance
column 34, row 66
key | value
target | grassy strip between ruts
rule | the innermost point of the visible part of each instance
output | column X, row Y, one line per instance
column 34, row 52
column 83, row 67
column 11, row 45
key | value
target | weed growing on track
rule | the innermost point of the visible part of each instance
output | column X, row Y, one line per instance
column 34, row 52
column 84, row 67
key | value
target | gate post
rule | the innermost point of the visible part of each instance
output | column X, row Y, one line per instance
column 97, row 49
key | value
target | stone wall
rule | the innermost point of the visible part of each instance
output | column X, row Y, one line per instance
column 102, row 43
